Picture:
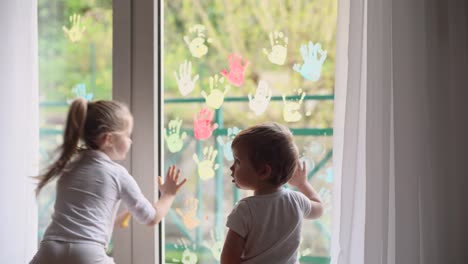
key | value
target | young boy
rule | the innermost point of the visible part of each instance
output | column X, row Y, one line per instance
column 266, row 227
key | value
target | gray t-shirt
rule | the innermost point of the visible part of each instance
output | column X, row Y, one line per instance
column 271, row 226
column 88, row 195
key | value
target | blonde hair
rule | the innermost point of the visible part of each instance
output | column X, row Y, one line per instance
column 271, row 144
column 86, row 121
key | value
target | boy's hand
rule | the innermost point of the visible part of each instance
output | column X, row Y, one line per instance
column 299, row 176
column 171, row 185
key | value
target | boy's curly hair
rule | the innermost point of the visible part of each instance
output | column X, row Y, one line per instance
column 271, row 144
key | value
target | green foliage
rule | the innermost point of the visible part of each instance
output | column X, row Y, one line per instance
column 63, row 63
column 243, row 26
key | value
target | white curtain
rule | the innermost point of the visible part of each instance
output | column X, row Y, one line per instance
column 19, row 130
column 400, row 132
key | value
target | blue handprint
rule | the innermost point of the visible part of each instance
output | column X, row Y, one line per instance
column 227, row 151
column 79, row 91
column 313, row 57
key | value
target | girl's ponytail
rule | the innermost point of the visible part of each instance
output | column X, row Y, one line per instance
column 73, row 133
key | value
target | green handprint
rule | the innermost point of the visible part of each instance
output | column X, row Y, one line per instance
column 206, row 167
column 174, row 140
column 75, row 33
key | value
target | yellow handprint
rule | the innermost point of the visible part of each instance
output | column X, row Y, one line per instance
column 197, row 46
column 189, row 215
column 279, row 45
column 206, row 168
column 75, row 33
column 216, row 98
column 291, row 108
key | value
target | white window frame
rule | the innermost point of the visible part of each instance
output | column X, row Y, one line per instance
column 136, row 82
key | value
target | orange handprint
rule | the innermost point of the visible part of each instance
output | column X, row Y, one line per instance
column 202, row 127
column 237, row 70
column 189, row 216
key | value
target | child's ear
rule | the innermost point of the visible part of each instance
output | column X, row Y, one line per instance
column 265, row 172
column 105, row 139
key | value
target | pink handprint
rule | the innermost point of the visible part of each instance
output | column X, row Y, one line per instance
column 202, row 126
column 237, row 70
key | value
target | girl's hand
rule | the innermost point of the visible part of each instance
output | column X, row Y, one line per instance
column 299, row 176
column 171, row 185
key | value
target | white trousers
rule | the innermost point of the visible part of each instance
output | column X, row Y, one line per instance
column 58, row 252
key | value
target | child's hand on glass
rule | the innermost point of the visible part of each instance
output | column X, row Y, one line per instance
column 170, row 185
column 299, row 177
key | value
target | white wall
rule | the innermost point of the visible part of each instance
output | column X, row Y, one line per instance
column 19, row 130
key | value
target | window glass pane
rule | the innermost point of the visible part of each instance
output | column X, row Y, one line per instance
column 221, row 60
column 75, row 60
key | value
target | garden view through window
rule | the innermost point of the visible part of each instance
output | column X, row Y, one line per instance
column 227, row 65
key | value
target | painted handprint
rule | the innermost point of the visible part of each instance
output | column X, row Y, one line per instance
column 260, row 101
column 279, row 48
column 325, row 196
column 313, row 57
column 75, row 33
column 174, row 140
column 188, row 255
column 215, row 245
column 236, row 74
column 227, row 151
column 80, row 92
column 291, row 108
column 216, row 98
column 202, row 127
column 327, row 176
column 305, row 252
column 189, row 214
column 184, row 81
column 206, row 168
column 197, row 45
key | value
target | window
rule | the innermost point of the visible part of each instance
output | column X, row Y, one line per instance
column 235, row 64
column 75, row 60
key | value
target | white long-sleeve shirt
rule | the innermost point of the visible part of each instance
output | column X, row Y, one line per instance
column 88, row 195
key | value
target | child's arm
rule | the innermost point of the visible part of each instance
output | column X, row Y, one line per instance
column 232, row 249
column 168, row 190
column 299, row 180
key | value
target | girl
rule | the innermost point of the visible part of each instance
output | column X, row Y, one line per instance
column 90, row 185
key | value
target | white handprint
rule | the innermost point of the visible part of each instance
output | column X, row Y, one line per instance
column 313, row 57
column 305, row 252
column 279, row 45
column 325, row 196
column 291, row 108
column 184, row 81
column 259, row 103
column 216, row 98
column 206, row 168
column 215, row 246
